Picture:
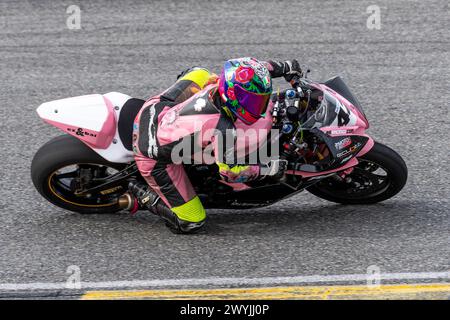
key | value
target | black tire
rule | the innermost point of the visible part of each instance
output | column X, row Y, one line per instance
column 389, row 160
column 60, row 152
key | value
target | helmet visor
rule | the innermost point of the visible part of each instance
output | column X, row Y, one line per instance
column 255, row 103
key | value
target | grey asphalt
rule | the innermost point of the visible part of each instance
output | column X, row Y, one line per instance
column 400, row 73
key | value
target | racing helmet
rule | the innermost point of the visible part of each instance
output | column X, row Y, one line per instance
column 245, row 87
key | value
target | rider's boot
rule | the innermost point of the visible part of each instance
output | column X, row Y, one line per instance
column 151, row 201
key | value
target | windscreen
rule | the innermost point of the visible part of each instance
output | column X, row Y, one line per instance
column 338, row 85
column 328, row 112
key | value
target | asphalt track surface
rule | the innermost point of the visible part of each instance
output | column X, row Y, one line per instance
column 400, row 73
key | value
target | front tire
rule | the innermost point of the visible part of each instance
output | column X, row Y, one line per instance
column 65, row 152
column 364, row 185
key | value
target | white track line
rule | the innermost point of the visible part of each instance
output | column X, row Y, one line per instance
column 266, row 281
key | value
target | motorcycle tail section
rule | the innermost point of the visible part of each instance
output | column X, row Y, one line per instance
column 92, row 119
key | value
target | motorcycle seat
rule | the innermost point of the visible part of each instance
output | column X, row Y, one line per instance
column 127, row 114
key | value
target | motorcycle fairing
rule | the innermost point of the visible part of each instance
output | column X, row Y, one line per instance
column 341, row 149
column 341, row 126
column 92, row 119
column 339, row 86
column 116, row 150
column 89, row 118
column 351, row 130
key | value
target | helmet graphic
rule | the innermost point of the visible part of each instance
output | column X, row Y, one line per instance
column 245, row 86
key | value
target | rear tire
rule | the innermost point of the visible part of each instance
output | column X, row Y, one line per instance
column 64, row 151
column 387, row 159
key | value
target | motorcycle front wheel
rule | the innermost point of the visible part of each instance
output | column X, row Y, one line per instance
column 61, row 168
column 380, row 174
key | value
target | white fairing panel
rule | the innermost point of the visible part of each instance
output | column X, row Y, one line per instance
column 89, row 112
column 116, row 152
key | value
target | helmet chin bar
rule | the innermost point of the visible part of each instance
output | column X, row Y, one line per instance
column 246, row 116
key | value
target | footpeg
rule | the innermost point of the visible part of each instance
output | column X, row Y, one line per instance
column 144, row 195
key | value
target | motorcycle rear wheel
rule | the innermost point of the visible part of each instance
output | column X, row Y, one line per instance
column 380, row 175
column 55, row 172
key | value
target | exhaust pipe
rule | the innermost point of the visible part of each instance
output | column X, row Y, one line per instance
column 129, row 203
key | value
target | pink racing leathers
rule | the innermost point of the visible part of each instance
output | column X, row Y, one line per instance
column 181, row 124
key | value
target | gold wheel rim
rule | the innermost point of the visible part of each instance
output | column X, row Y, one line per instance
column 50, row 186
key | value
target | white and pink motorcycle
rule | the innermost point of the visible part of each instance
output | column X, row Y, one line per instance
column 322, row 135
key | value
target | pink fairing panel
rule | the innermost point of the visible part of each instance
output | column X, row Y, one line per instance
column 89, row 118
column 367, row 147
column 96, row 139
column 236, row 186
column 108, row 130
column 351, row 163
column 92, row 138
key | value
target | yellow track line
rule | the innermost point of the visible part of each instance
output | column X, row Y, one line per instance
column 394, row 291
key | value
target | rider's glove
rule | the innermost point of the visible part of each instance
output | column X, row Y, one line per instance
column 274, row 169
column 292, row 69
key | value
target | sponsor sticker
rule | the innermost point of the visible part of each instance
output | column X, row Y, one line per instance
column 343, row 143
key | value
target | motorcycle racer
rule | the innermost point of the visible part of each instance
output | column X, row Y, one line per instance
column 200, row 101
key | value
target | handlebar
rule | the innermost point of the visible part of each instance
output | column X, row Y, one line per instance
column 295, row 82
